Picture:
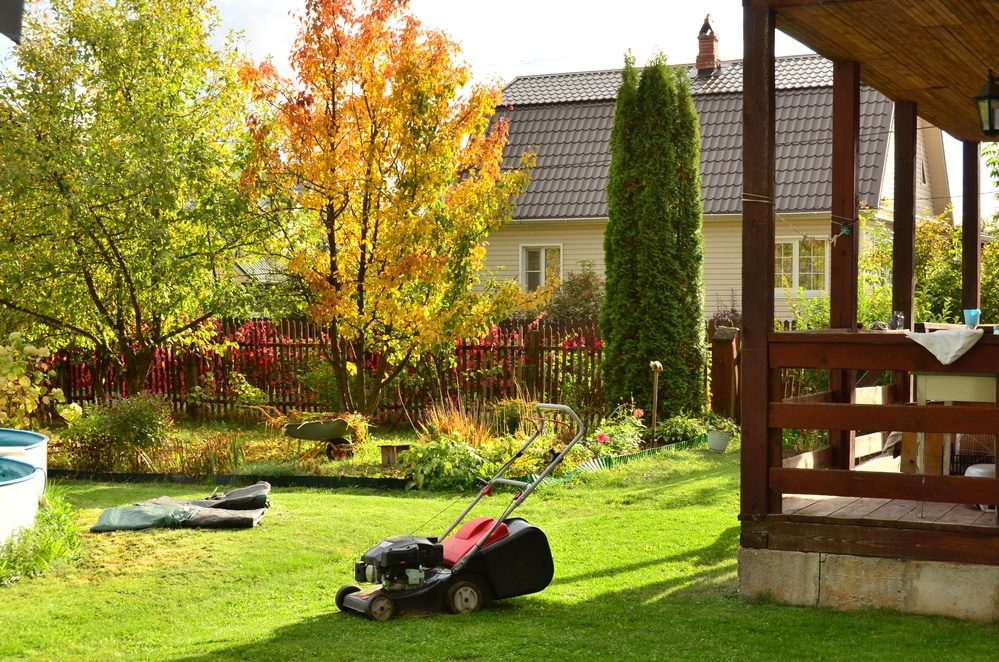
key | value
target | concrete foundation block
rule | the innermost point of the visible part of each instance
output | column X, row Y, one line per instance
column 787, row 577
column 959, row 590
column 846, row 582
column 852, row 582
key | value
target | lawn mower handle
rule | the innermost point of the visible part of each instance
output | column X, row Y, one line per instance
column 526, row 488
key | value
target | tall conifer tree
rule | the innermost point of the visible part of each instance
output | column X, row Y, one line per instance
column 653, row 247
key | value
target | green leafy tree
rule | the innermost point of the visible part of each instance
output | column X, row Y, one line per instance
column 653, row 246
column 397, row 182
column 122, row 143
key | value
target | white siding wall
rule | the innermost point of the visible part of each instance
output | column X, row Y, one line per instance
column 723, row 257
column 580, row 240
column 583, row 240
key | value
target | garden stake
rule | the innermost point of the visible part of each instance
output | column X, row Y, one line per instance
column 657, row 367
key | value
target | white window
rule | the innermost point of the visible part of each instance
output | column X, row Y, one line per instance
column 540, row 265
column 801, row 264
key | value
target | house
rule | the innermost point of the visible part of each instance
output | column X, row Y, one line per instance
column 567, row 118
column 828, row 533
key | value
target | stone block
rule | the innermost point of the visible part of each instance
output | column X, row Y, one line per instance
column 787, row 577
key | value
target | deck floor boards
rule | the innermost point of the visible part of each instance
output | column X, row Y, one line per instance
column 886, row 510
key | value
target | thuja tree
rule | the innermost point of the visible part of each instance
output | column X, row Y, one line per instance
column 653, row 247
column 121, row 209
column 396, row 178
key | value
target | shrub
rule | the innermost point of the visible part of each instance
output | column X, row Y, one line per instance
column 55, row 537
column 122, row 434
column 445, row 464
column 680, row 428
column 578, row 297
column 619, row 434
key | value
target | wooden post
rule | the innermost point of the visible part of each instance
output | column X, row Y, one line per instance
column 971, row 236
column 903, row 292
column 191, row 382
column 760, row 445
column 724, row 382
column 846, row 244
column 532, row 361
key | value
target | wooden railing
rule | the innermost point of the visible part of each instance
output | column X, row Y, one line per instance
column 892, row 351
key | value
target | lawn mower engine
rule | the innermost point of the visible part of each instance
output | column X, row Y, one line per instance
column 400, row 562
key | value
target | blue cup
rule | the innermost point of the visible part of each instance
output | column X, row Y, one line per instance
column 971, row 316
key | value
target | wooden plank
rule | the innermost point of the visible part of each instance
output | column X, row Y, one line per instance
column 832, row 482
column 894, row 509
column 885, row 350
column 793, row 503
column 896, row 542
column 817, row 459
column 759, row 194
column 869, row 444
column 932, row 512
column 906, row 418
column 826, row 506
column 860, row 508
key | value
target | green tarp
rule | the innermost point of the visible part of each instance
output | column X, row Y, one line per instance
column 236, row 509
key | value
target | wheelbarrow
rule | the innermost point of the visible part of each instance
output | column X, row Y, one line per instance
column 333, row 432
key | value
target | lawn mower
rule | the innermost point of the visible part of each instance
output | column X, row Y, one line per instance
column 486, row 559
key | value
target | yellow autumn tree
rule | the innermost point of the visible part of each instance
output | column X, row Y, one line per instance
column 393, row 174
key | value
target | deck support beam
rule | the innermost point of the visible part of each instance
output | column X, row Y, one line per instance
column 903, row 291
column 845, row 233
column 971, row 231
column 760, row 446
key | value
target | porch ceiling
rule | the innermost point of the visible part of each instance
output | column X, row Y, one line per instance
column 936, row 53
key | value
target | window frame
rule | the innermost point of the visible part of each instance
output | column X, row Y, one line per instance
column 795, row 242
column 522, row 271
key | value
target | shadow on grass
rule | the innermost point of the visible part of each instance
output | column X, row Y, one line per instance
column 531, row 624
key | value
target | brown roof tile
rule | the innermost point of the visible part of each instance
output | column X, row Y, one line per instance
column 567, row 118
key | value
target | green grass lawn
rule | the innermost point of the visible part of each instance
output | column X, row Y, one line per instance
column 645, row 558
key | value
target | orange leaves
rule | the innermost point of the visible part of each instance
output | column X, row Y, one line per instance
column 396, row 180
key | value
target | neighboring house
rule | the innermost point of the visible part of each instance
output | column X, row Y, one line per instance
column 567, row 118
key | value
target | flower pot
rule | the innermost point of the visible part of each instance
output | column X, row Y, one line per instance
column 718, row 440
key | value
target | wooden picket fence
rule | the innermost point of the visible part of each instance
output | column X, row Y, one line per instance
column 280, row 364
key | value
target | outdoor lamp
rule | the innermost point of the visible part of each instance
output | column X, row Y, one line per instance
column 988, row 107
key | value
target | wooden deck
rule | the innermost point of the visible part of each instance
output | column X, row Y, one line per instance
column 877, row 527
column 884, row 511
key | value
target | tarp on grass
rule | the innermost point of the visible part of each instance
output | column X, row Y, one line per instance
column 242, row 508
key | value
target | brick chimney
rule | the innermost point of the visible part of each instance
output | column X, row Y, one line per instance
column 708, row 62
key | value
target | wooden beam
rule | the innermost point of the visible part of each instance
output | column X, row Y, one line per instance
column 777, row 4
column 846, row 236
column 845, row 197
column 971, row 230
column 870, row 538
column 877, row 484
column 903, row 292
column 759, row 199
column 836, row 416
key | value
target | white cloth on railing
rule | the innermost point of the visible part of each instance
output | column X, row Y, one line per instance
column 947, row 345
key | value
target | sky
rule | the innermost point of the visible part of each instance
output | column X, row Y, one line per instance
column 523, row 37
column 503, row 40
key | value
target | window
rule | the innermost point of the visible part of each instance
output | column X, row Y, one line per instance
column 540, row 265
column 800, row 264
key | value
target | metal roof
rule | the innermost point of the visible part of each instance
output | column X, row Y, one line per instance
column 567, row 119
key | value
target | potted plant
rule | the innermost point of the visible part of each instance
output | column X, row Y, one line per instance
column 720, row 431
